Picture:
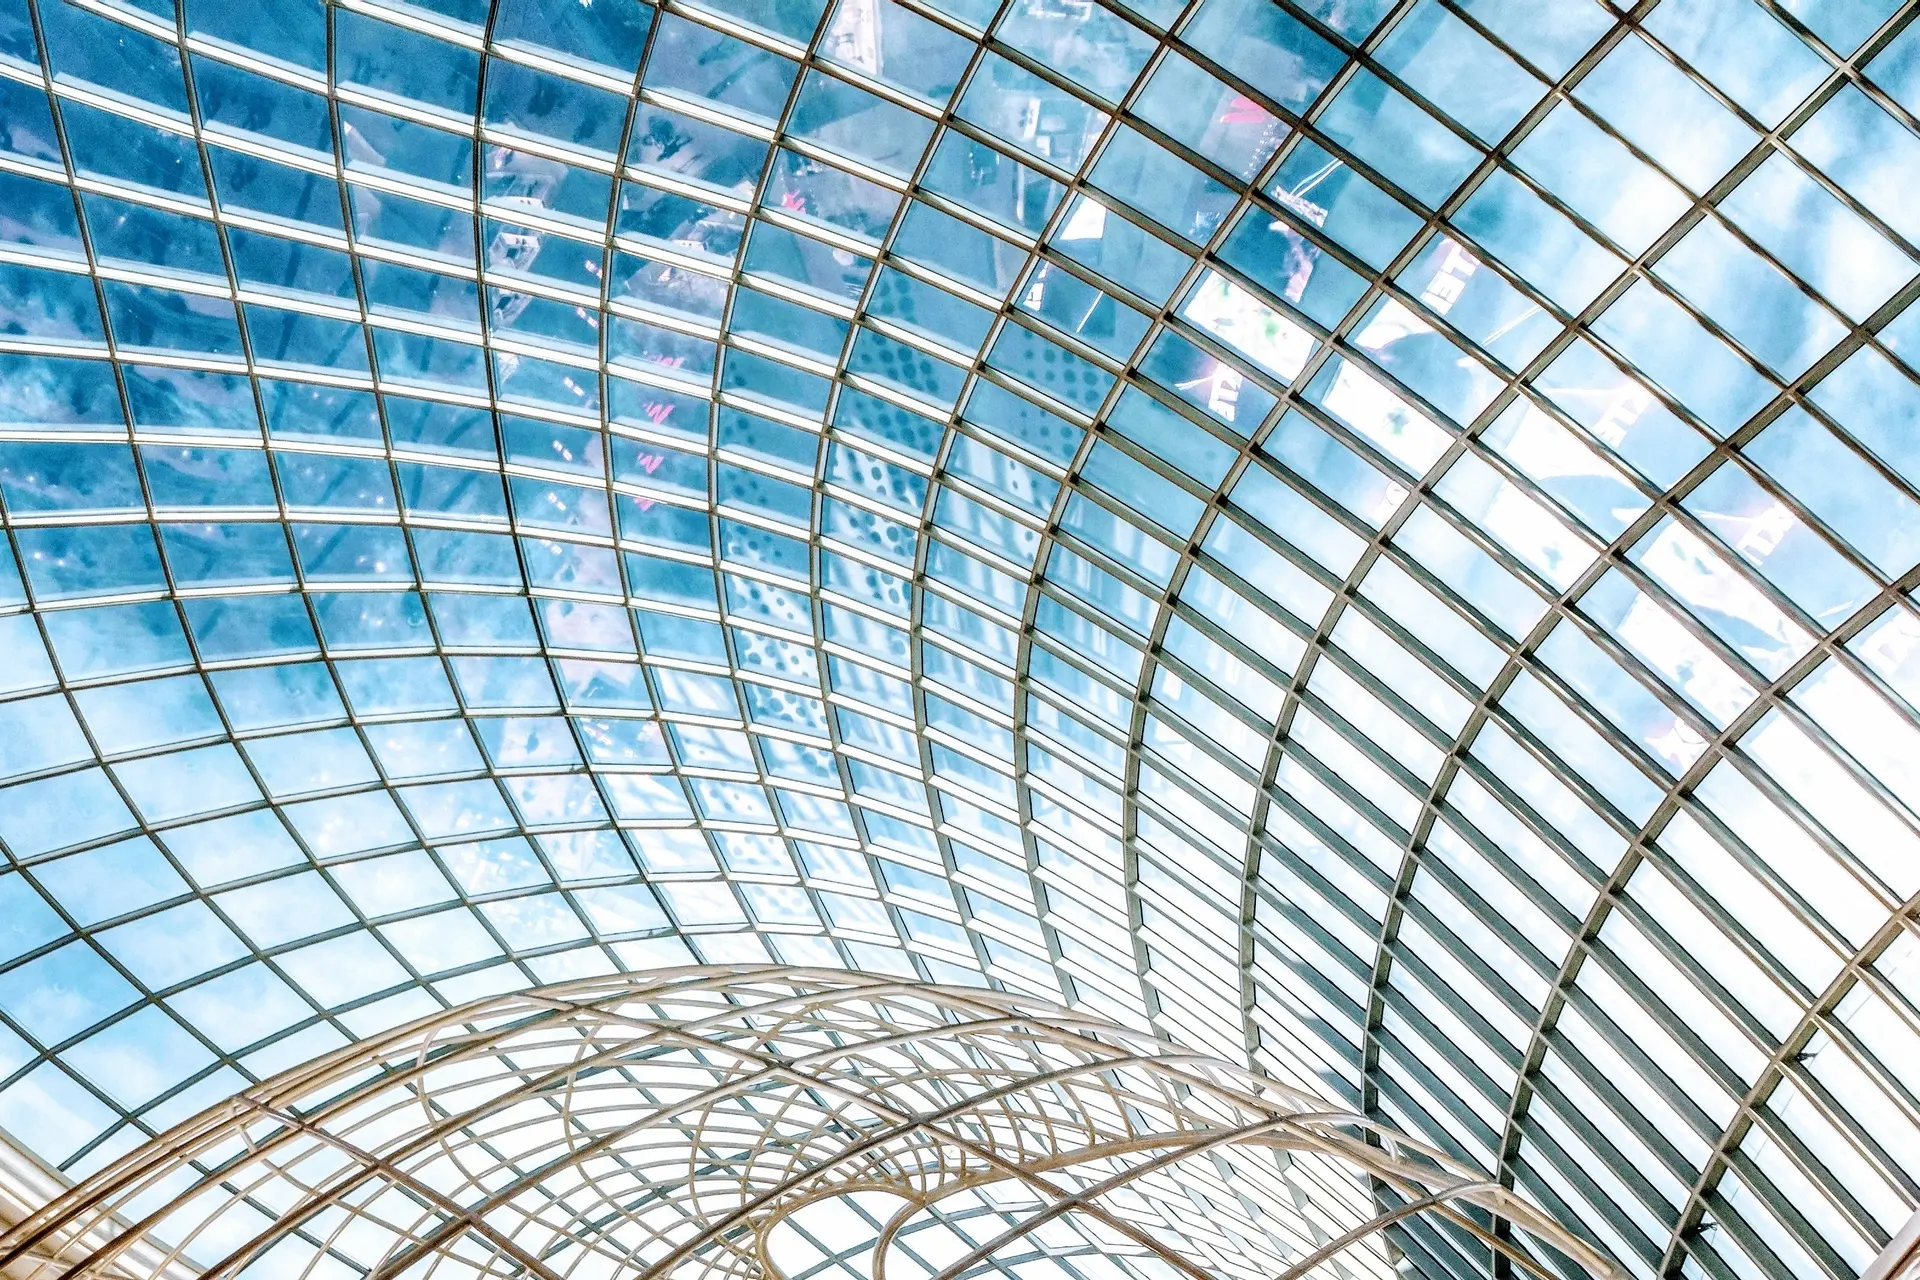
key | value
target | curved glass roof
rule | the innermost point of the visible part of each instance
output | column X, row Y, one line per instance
column 1370, row 538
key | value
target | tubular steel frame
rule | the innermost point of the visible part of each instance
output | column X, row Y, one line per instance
column 663, row 1125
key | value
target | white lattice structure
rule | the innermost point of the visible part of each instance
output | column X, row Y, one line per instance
column 734, row 1124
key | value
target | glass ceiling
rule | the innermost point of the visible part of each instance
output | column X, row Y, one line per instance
column 1371, row 538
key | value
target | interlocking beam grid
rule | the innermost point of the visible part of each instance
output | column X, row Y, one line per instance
column 707, row 1123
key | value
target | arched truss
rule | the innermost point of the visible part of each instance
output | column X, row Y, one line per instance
column 740, row 1123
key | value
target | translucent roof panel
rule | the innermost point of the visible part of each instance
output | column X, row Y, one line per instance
column 1372, row 538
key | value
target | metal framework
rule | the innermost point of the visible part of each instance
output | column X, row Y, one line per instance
column 1373, row 538
column 753, row 1124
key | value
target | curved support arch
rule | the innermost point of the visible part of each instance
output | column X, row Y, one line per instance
column 663, row 1126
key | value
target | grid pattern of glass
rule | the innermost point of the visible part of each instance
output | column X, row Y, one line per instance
column 1371, row 537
